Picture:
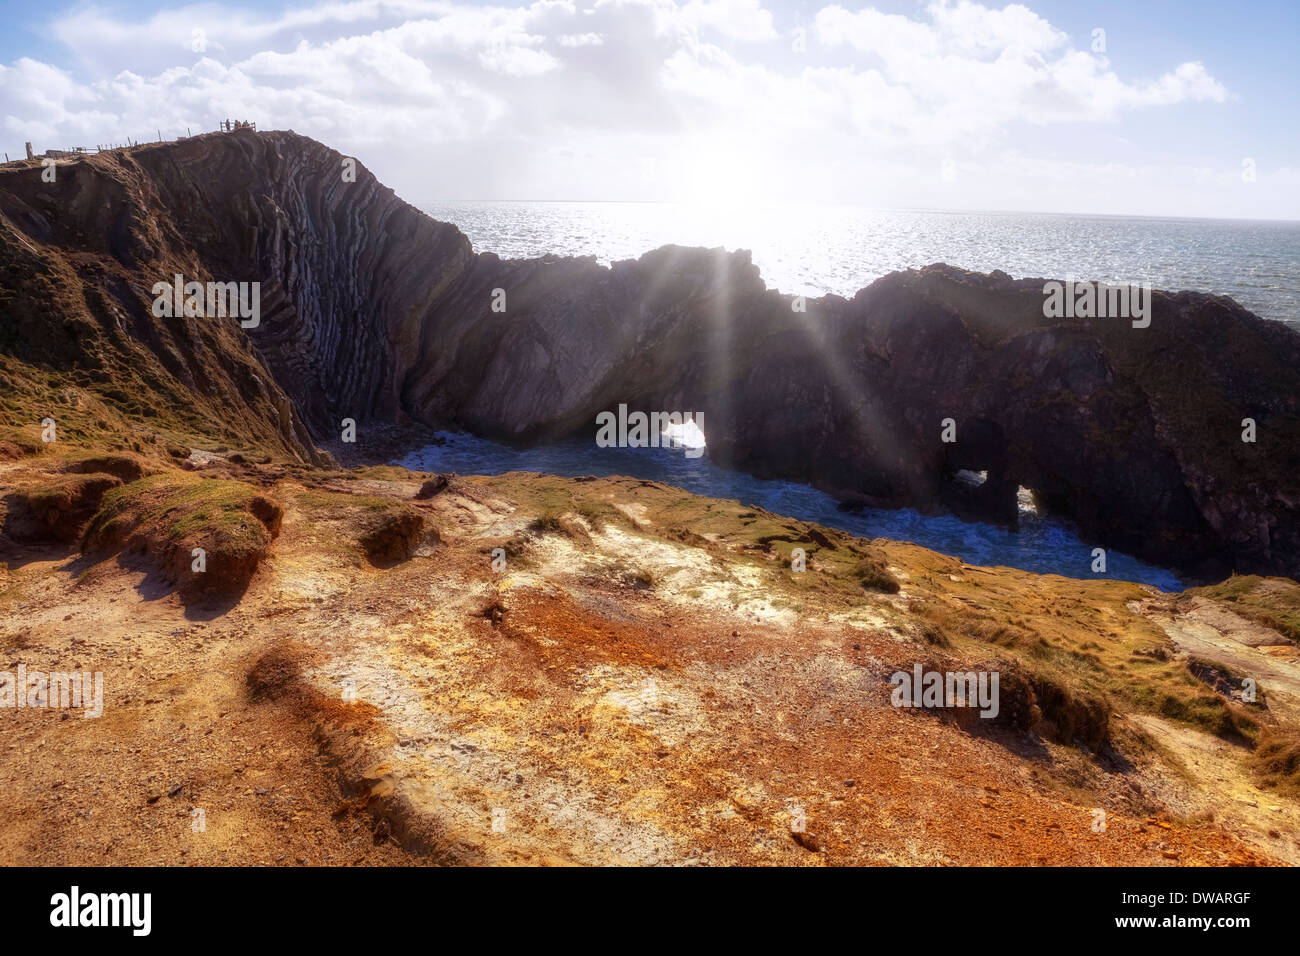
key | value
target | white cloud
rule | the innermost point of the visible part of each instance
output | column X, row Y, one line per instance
column 703, row 91
column 975, row 69
column 581, row 39
column 517, row 60
column 739, row 19
column 975, row 29
column 1190, row 81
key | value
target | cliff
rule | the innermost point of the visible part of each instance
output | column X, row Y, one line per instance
column 373, row 311
column 332, row 666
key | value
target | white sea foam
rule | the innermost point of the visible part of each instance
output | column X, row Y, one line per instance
column 1041, row 545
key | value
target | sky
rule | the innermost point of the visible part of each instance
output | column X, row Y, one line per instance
column 1158, row 108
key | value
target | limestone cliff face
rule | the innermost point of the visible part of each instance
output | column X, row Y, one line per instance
column 373, row 311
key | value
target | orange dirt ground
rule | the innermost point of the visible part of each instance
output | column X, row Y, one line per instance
column 618, row 694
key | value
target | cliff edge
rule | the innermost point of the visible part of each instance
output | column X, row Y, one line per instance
column 372, row 311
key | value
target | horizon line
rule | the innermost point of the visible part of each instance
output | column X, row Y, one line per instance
column 938, row 209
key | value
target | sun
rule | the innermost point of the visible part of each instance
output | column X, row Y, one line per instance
column 717, row 172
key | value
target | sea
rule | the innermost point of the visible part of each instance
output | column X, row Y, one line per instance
column 814, row 250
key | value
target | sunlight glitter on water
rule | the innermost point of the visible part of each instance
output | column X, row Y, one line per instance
column 812, row 250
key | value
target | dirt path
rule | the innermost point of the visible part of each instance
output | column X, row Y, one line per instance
column 1222, row 789
column 1216, row 634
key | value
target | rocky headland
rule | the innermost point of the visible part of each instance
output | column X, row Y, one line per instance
column 353, row 677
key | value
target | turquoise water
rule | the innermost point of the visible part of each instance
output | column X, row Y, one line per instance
column 1046, row 546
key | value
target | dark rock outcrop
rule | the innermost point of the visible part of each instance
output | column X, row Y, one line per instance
column 55, row 512
column 375, row 312
column 391, row 535
column 433, row 487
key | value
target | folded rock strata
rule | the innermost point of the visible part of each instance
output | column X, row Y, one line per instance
column 371, row 310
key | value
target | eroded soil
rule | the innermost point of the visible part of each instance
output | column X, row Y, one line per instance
column 637, row 685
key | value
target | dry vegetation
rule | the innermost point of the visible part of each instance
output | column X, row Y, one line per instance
column 649, row 680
